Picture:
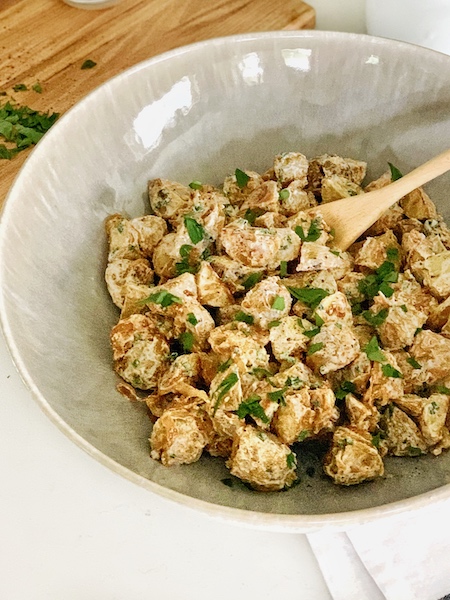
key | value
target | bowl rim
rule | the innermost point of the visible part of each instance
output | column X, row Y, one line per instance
column 299, row 523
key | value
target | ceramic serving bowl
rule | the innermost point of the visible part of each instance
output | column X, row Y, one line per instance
column 198, row 113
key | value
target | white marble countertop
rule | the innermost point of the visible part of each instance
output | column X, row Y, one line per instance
column 71, row 529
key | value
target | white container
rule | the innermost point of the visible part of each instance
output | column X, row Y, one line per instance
column 422, row 22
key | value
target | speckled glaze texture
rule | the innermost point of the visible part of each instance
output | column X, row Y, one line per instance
column 198, row 113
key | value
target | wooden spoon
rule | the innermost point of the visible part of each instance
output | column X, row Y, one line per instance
column 351, row 217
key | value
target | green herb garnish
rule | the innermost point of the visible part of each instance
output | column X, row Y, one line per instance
column 88, row 64
column 192, row 319
column 395, row 173
column 163, row 298
column 37, row 87
column 241, row 178
column 303, row 435
column 224, row 366
column 413, row 362
column 442, row 389
column 21, row 127
column 283, row 268
column 273, row 324
column 187, row 340
column 373, row 352
column 392, row 254
column 253, row 408
column 414, row 451
column 277, row 396
column 310, row 333
column 195, row 230
column 284, row 194
column 196, row 185
column 278, row 303
column 252, row 280
column 244, row 317
column 291, row 460
column 20, row 87
column 376, row 319
column 313, row 348
column 390, row 371
column 313, row 234
column 346, row 387
column 312, row 297
column 223, row 388
column 379, row 281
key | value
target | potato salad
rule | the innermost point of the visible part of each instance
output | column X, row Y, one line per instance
column 248, row 334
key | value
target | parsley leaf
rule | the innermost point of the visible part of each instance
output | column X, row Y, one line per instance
column 196, row 185
column 224, row 366
column 253, row 408
column 413, row 362
column 20, row 87
column 313, row 348
column 251, row 214
column 223, row 388
column 283, row 268
column 252, row 280
column 244, row 317
column 312, row 297
column 390, row 371
column 395, row 173
column 313, row 234
column 284, row 194
column 192, row 319
column 379, row 281
column 241, row 178
column 88, row 64
column 346, row 387
column 392, row 254
column 277, row 396
column 291, row 460
column 376, row 319
column 303, row 435
column 163, row 298
column 278, row 303
column 194, row 229
column 372, row 349
column 187, row 340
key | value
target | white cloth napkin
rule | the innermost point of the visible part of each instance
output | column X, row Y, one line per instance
column 406, row 557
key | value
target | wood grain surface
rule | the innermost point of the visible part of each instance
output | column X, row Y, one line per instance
column 47, row 41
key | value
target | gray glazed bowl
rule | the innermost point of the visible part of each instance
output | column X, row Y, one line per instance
column 198, row 113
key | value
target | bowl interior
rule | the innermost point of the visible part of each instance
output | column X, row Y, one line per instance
column 198, row 113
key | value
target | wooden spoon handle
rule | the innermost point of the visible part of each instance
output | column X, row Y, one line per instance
column 351, row 217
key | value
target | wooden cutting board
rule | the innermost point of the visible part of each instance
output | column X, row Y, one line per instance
column 47, row 41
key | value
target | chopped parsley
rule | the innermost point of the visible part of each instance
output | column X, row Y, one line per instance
column 37, row 87
column 277, row 396
column 21, row 127
column 310, row 333
column 187, row 340
column 392, row 254
column 390, row 371
column 413, row 362
column 244, row 317
column 251, row 214
column 312, row 297
column 284, row 194
column 291, row 460
column 224, row 366
column 253, row 408
column 196, row 185
column 379, row 281
column 283, row 268
column 373, row 352
column 434, row 406
column 404, row 308
column 252, row 280
column 20, row 87
column 313, row 234
column 273, row 324
column 192, row 319
column 241, row 178
column 303, row 435
column 88, row 64
column 223, row 388
column 346, row 387
column 195, row 230
column 278, row 303
column 442, row 389
column 313, row 348
column 376, row 319
column 413, row 451
column 186, row 265
column 163, row 298
column 395, row 173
